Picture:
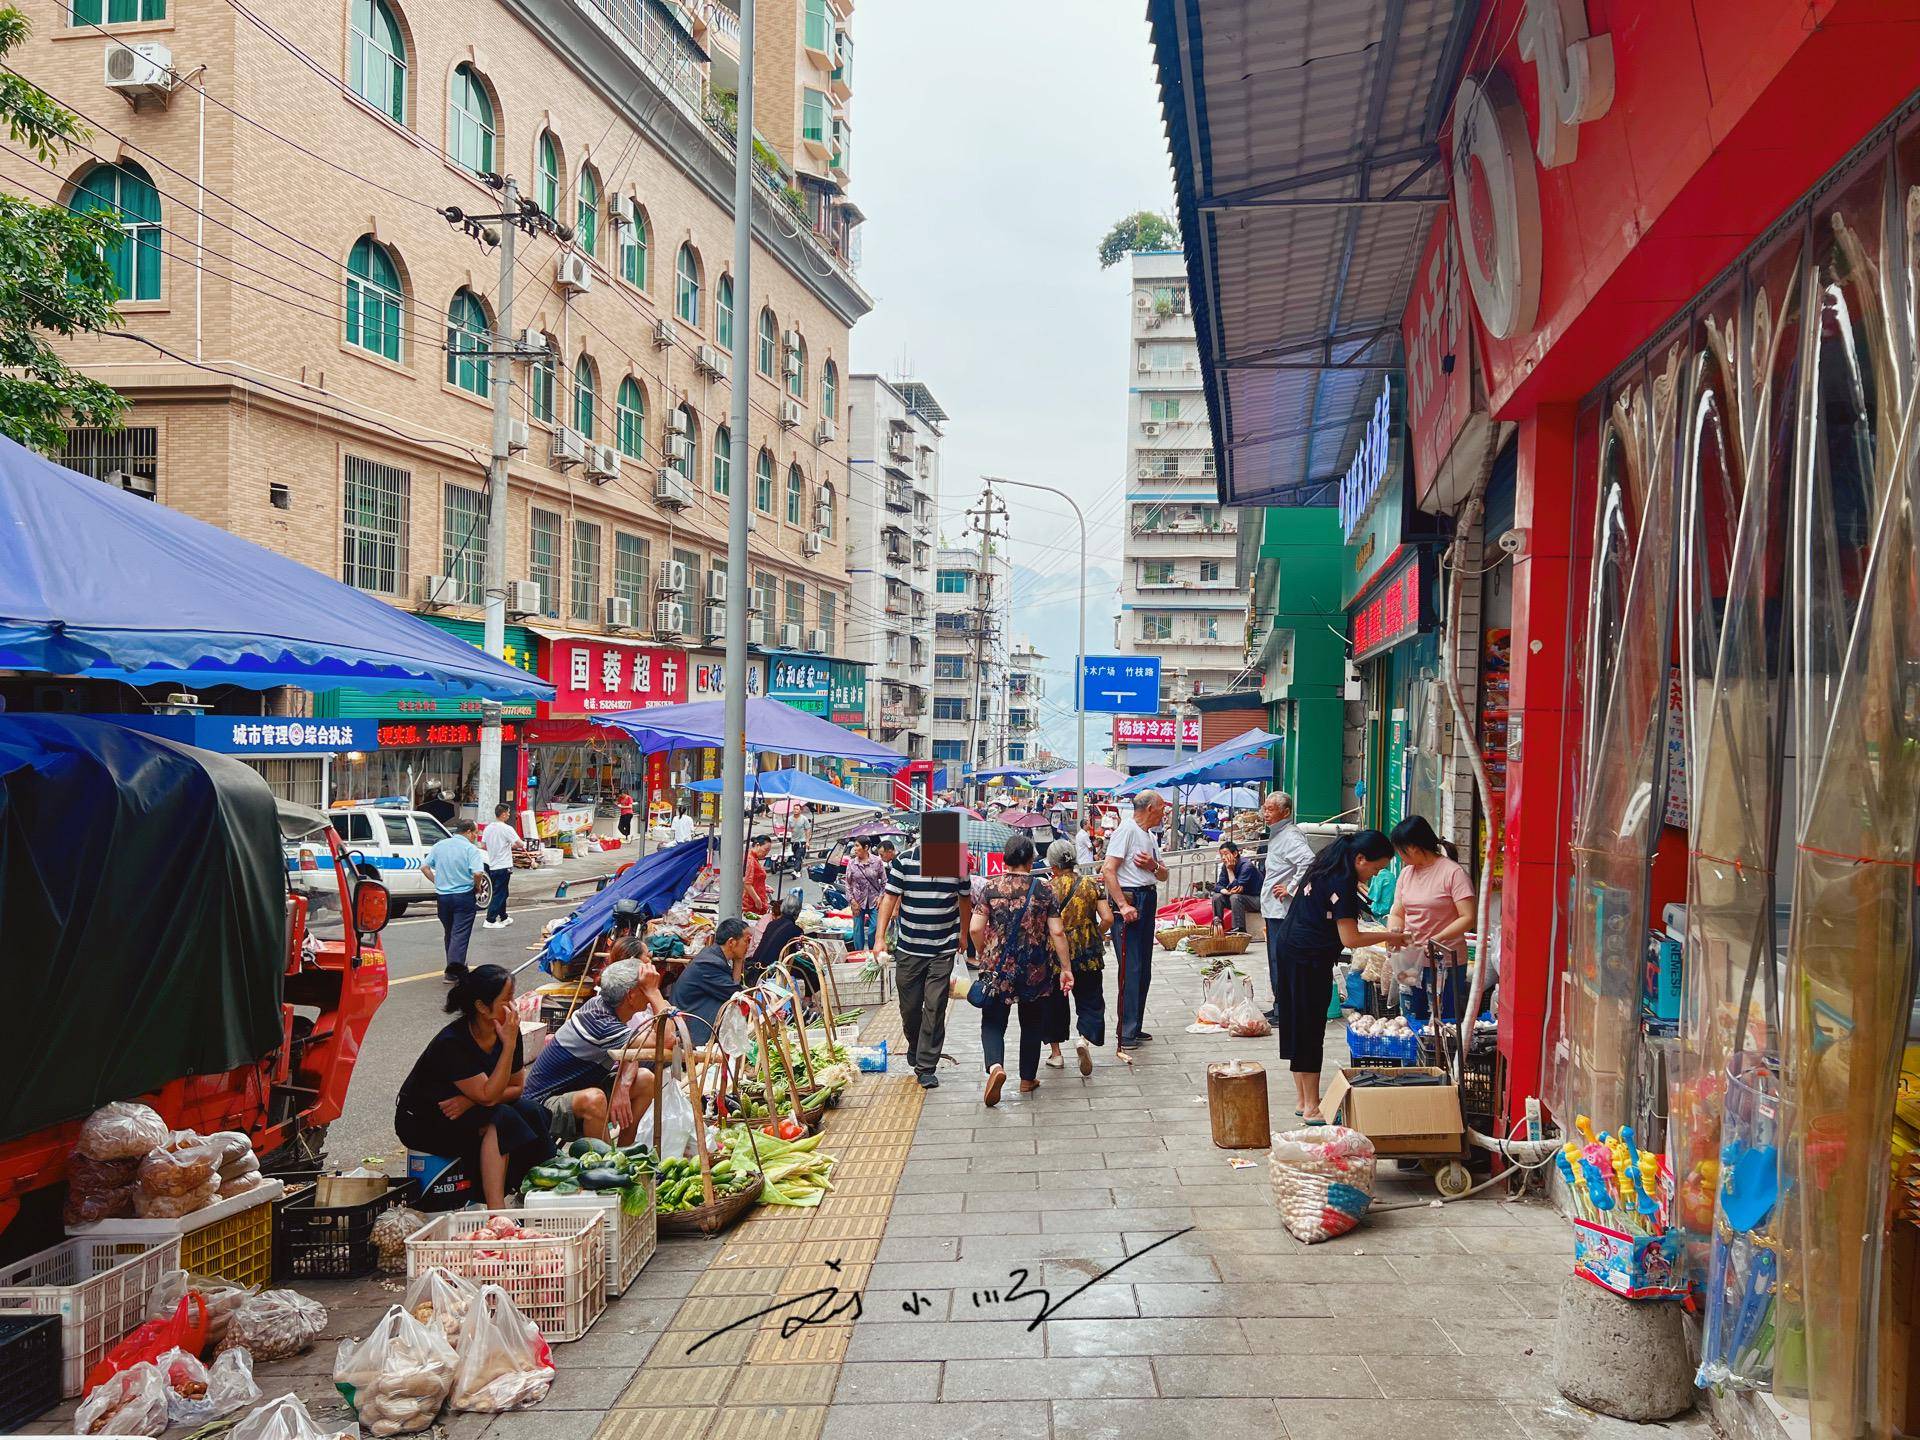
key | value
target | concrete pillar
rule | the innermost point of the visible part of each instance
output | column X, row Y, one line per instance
column 1624, row 1358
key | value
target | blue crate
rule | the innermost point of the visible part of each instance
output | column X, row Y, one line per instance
column 1401, row 1049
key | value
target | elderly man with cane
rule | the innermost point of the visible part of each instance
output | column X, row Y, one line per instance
column 1131, row 873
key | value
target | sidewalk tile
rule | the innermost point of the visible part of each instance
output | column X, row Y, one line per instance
column 887, row 1382
column 1145, row 1337
column 1265, row 1376
column 1232, row 1300
column 680, row 1422
column 1408, row 1335
column 653, row 1387
column 1118, row 1377
column 1166, row 1420
column 1370, row 1419
column 769, row 1422
column 944, row 1340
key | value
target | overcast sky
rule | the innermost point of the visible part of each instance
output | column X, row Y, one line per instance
column 994, row 143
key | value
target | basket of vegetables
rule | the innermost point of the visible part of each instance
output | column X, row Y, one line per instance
column 618, row 1181
column 705, row 1192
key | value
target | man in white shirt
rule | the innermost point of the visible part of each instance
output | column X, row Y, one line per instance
column 1288, row 856
column 498, row 840
column 1132, row 872
column 682, row 826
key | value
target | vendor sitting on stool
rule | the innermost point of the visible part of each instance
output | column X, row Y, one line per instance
column 1236, row 889
column 463, row 1096
column 778, row 940
column 578, row 1076
column 712, row 978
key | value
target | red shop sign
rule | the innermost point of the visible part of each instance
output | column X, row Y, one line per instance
column 1389, row 615
column 1152, row 730
column 408, row 734
column 1439, row 356
column 598, row 677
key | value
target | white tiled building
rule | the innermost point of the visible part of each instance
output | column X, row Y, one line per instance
column 971, row 608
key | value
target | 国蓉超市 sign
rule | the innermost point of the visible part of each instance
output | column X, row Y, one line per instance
column 592, row 675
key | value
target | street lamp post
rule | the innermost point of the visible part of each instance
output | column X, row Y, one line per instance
column 1080, row 660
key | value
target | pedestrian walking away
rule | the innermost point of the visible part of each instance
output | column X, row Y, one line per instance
column 1289, row 853
column 1237, row 889
column 1323, row 920
column 866, row 882
column 498, row 840
column 753, row 889
column 1434, row 903
column 932, row 910
column 1131, row 874
column 1087, row 919
column 454, row 867
column 625, row 806
column 1024, row 963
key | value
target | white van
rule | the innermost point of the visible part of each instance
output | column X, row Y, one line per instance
column 387, row 842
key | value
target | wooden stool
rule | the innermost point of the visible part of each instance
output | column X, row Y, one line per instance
column 1237, row 1104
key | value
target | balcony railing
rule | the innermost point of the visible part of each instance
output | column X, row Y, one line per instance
column 1186, row 527
column 900, row 496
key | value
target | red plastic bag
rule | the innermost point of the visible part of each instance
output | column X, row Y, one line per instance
column 181, row 1330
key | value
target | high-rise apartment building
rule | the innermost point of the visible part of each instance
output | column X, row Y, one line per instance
column 1026, row 688
column 893, row 497
column 971, row 607
column 1181, row 596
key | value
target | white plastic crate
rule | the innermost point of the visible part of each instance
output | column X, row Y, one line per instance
column 559, row 1281
column 631, row 1239
column 98, row 1287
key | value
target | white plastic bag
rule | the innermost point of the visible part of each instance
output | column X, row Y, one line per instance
column 275, row 1325
column 397, row 1378
column 505, row 1362
column 223, row 1297
column 121, row 1130
column 391, row 1230
column 960, row 983
column 285, row 1419
column 1245, row 1019
column 677, row 1120
column 131, row 1402
column 197, row 1393
column 442, row 1300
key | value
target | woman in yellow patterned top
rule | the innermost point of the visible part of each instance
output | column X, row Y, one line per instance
column 1086, row 917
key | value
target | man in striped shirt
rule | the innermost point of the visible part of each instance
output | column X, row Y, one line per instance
column 934, row 913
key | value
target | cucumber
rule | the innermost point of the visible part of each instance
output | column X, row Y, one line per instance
column 604, row 1177
column 583, row 1148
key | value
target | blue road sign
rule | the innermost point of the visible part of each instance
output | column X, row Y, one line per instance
column 1121, row 684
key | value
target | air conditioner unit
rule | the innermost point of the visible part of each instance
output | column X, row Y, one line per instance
column 827, row 433
column 1149, row 427
column 790, row 414
column 789, row 636
column 816, row 640
column 722, row 365
column 532, row 339
column 443, row 590
column 676, row 422
column 707, row 359
column 603, row 464
column 898, row 445
column 756, row 600
column 925, row 465
column 523, row 597
column 757, row 632
column 717, row 585
column 573, row 272
column 662, row 333
column 143, row 69
column 792, row 366
column 822, row 516
column 619, row 610
column 810, row 543
column 670, row 618
column 518, row 437
column 791, row 339
column 1145, row 365
column 715, row 628
column 673, row 577
column 569, row 447
column 672, row 489
column 824, row 495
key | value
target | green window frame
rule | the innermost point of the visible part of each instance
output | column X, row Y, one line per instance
column 463, row 541
column 633, row 247
column 584, row 385
column 374, row 307
column 542, row 381
column 116, row 12
column 796, row 495
column 769, row 342
column 763, row 483
column 126, row 192
column 377, row 59
column 814, row 116
column 723, row 313
column 1165, row 410
column 830, row 391
column 471, row 128
column 468, row 331
column 797, row 376
column 950, row 582
column 723, row 461
column 630, row 419
column 631, row 557
column 547, row 174
column 819, row 31
column 686, row 285
column 586, row 226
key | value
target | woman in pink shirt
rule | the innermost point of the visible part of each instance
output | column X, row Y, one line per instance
column 1433, row 902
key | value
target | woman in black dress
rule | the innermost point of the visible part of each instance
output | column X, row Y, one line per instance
column 1322, row 921
column 463, row 1095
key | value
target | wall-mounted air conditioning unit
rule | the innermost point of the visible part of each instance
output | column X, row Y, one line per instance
column 519, row 437
column 672, row 489
column 569, row 447
column 757, row 632
column 707, row 360
column 442, row 590
column 717, row 586
column 673, row 577
column 757, row 600
column 1149, row 427
column 142, row 69
column 810, row 543
column 573, row 272
column 523, row 597
column 715, row 628
column 603, row 464
column 816, row 640
column 790, row 636
column 619, row 611
column 662, row 333
column 790, row 414
column 670, row 619
column 827, row 433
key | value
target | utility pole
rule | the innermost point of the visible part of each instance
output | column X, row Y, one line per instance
column 733, row 756
column 988, row 508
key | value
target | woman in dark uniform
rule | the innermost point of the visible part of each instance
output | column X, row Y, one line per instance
column 1322, row 921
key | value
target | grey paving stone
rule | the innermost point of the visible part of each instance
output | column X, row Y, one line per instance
column 1166, row 1420
column 1494, row 1332
column 1232, row 1300
column 1074, row 1201
column 1561, row 1419
column 1115, row 1377
column 944, row 1340
column 1261, row 1216
column 1012, row 1223
column 1464, row 1299
column 1544, row 1238
column 946, row 1202
column 1166, row 1217
column 961, row 1274
column 1176, row 1269
column 581, row 1387
column 1144, row 1337
column 1031, row 1249
column 944, row 1183
column 1011, row 1420
column 907, row 1248
column 888, row 1381
column 1302, row 1265
column 541, row 1424
column 1371, row 1419
column 1267, row 1376
column 1470, row 1377
column 1042, row 1164
column 610, row 1343
column 1109, row 1300
column 1410, row 1335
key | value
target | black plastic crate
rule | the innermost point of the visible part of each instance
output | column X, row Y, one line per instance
column 29, row 1368
column 328, row 1242
column 1479, row 1086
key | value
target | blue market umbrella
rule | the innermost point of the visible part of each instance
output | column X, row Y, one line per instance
column 796, row 784
column 656, row 882
column 771, row 726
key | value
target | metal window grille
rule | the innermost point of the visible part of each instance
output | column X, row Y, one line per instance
column 586, row 569
column 463, row 541
column 374, row 522
column 128, row 457
column 631, row 559
column 543, row 558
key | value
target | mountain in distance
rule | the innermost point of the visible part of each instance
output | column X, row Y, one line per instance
column 1044, row 612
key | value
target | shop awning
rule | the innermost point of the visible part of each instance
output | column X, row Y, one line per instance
column 1003, row 775
column 1099, row 777
column 1207, row 765
column 1306, row 170
column 656, row 881
column 771, row 726
column 796, row 785
column 100, row 584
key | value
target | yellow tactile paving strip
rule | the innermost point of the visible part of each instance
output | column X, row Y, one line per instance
column 753, row 1383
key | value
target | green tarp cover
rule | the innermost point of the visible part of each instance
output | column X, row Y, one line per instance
column 142, row 916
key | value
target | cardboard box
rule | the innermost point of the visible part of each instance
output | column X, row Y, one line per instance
column 1414, row 1120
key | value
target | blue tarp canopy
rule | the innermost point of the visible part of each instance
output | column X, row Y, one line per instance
column 100, row 584
column 797, row 784
column 1207, row 765
column 655, row 881
column 1006, row 774
column 771, row 726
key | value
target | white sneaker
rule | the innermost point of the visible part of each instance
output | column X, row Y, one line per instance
column 1085, row 1052
column 505, row 921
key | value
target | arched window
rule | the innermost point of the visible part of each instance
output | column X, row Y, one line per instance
column 769, row 342
column 125, row 192
column 723, row 313
column 634, row 238
column 685, row 457
column 630, row 419
column 546, row 183
column 584, row 386
column 467, row 332
column 797, row 369
column 796, row 496
column 586, row 226
column 763, row 483
column 723, row 461
column 542, row 380
column 830, row 391
column 471, row 125
column 373, row 299
column 826, row 511
column 686, row 286
column 377, row 59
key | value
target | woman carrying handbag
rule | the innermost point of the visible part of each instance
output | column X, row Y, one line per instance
column 1023, row 961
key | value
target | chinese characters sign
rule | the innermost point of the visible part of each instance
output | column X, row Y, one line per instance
column 254, row 734
column 1360, row 487
column 833, row 689
column 1121, row 684
column 593, row 676
column 846, row 693
column 1387, row 616
column 710, row 677
column 402, row 734
column 1154, row 730
column 1439, row 357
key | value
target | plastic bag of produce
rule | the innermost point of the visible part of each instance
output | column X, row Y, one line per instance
column 505, row 1362
column 961, row 981
column 397, row 1378
column 99, row 1189
column 677, row 1120
column 221, row 1297
column 391, row 1228
column 285, row 1419
column 121, row 1131
column 1245, row 1019
column 172, row 1207
column 130, row 1402
column 275, row 1325
column 197, row 1393
column 1322, row 1180
column 442, row 1300
column 185, row 1164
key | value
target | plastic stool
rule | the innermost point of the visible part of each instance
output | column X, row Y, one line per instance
column 441, row 1182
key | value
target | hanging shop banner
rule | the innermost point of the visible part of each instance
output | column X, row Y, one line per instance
column 802, row 681
column 593, row 675
column 1153, row 730
column 253, row 734
column 846, row 692
column 411, row 734
column 1360, row 486
column 521, row 650
column 1389, row 613
column 709, row 675
column 1439, row 355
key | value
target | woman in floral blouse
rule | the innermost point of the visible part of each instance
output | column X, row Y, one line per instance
column 1024, row 960
column 1086, row 917
column 866, row 878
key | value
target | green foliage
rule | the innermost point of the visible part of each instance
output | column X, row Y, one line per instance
column 55, row 280
column 1142, row 230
